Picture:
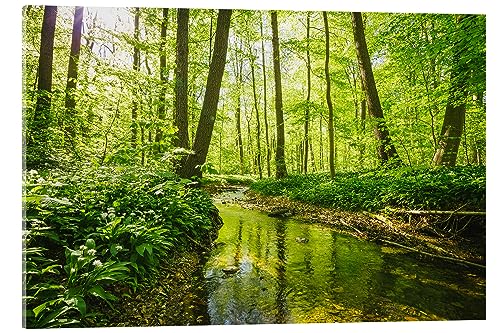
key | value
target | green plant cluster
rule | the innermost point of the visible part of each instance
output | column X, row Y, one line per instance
column 411, row 188
column 97, row 234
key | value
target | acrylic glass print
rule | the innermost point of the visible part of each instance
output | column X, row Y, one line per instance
column 217, row 166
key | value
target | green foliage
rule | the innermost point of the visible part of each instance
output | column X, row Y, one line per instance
column 91, row 231
column 417, row 188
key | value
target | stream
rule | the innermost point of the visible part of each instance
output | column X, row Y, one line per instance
column 281, row 270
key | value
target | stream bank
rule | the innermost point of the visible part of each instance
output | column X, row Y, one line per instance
column 420, row 236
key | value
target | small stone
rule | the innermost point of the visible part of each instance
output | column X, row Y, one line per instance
column 301, row 240
column 230, row 269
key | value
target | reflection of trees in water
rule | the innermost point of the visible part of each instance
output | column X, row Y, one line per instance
column 281, row 305
column 355, row 266
column 258, row 245
column 308, row 251
column 237, row 252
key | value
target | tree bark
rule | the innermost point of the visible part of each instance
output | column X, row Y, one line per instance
column 239, row 84
column 70, row 103
column 386, row 150
column 163, row 79
column 331, row 133
column 181, row 79
column 280, row 124
column 266, row 124
column 257, row 118
column 192, row 166
column 308, row 98
column 135, row 66
column 454, row 117
column 38, row 143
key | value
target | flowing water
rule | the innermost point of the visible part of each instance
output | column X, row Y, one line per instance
column 280, row 270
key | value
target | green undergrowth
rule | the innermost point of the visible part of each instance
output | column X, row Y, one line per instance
column 225, row 180
column 93, row 236
column 454, row 188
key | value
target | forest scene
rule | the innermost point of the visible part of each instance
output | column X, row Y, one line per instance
column 195, row 166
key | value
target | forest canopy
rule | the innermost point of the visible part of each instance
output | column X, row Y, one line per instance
column 119, row 99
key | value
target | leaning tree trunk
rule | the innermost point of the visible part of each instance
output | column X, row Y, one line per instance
column 192, row 166
column 181, row 80
column 386, row 150
column 70, row 102
column 163, row 79
column 38, row 142
column 280, row 123
column 454, row 117
column 331, row 133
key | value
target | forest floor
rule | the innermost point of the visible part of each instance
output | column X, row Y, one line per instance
column 174, row 299
column 427, row 236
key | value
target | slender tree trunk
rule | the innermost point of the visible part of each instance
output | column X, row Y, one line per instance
column 220, row 143
column 70, row 102
column 268, row 148
column 363, row 126
column 257, row 118
column 280, row 123
column 331, row 134
column 321, row 155
column 251, row 164
column 239, row 84
column 205, row 127
column 386, row 150
column 308, row 99
column 135, row 66
column 163, row 79
column 313, row 161
column 38, row 144
column 181, row 79
column 454, row 117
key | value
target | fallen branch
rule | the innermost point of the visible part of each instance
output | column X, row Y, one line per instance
column 436, row 212
column 434, row 255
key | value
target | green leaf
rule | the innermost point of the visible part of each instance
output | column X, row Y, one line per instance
column 90, row 243
column 140, row 248
column 40, row 308
column 81, row 305
column 99, row 291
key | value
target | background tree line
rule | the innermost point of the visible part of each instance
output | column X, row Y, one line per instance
column 252, row 92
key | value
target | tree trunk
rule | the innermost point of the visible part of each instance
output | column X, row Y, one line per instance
column 37, row 143
column 181, row 79
column 193, row 163
column 268, row 148
column 257, row 118
column 331, row 133
column 163, row 79
column 280, row 124
column 454, row 117
column 308, row 99
column 70, row 102
column 363, row 126
column 239, row 84
column 135, row 66
column 386, row 150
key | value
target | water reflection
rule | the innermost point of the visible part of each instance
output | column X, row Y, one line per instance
column 290, row 272
column 281, row 305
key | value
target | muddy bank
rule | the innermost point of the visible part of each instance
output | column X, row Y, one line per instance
column 176, row 298
column 420, row 235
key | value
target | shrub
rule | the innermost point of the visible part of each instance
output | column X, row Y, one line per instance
column 411, row 188
column 88, row 232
